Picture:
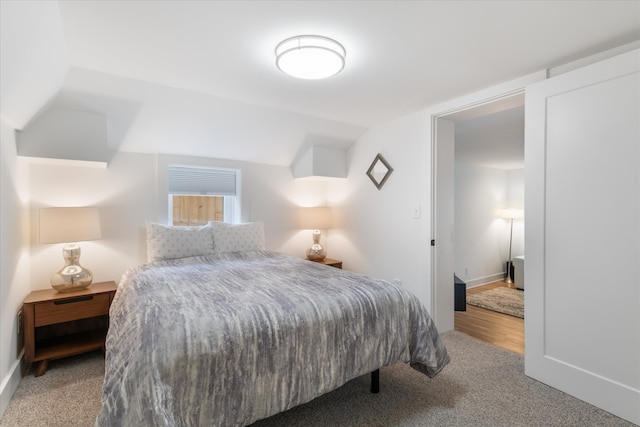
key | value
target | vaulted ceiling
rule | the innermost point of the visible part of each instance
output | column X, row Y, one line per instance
column 198, row 77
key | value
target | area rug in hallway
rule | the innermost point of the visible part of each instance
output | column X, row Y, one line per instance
column 503, row 300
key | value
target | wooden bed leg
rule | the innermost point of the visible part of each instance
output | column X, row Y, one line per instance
column 375, row 381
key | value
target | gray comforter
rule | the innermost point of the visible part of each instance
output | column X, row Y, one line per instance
column 227, row 341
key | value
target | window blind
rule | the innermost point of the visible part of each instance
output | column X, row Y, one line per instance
column 199, row 180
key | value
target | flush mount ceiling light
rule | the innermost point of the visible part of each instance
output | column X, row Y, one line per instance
column 310, row 57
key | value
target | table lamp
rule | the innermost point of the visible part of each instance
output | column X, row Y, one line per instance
column 70, row 225
column 316, row 219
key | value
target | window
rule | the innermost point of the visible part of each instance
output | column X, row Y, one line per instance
column 198, row 195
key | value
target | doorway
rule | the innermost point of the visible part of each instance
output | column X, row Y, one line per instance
column 444, row 189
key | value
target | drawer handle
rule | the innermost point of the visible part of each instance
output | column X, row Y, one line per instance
column 74, row 299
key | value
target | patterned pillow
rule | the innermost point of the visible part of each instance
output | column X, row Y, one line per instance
column 171, row 242
column 237, row 237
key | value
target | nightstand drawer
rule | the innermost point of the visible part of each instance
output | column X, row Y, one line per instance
column 73, row 308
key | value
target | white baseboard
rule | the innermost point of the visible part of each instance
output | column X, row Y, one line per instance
column 10, row 383
column 472, row 283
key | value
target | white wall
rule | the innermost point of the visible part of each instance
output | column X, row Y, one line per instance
column 482, row 238
column 14, row 259
column 32, row 67
column 125, row 194
column 376, row 233
column 271, row 194
column 515, row 199
column 128, row 194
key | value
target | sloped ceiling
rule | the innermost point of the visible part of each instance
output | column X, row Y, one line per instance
column 198, row 77
column 33, row 59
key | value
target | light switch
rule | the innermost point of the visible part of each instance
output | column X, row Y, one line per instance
column 416, row 211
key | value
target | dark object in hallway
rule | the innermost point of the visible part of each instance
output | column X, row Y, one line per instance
column 460, row 294
column 508, row 266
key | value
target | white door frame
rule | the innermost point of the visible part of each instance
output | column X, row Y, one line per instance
column 498, row 98
column 442, row 223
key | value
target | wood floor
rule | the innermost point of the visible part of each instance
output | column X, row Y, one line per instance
column 495, row 328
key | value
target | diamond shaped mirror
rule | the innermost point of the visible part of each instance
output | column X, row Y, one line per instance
column 379, row 171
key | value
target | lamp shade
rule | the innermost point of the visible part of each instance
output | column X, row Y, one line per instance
column 315, row 218
column 511, row 213
column 310, row 57
column 64, row 225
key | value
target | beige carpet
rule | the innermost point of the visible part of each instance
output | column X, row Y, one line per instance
column 503, row 300
column 482, row 386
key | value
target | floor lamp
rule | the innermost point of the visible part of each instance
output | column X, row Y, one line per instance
column 511, row 214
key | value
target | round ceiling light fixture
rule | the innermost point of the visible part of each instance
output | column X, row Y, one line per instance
column 310, row 57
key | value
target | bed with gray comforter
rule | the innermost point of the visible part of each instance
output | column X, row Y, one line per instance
column 226, row 341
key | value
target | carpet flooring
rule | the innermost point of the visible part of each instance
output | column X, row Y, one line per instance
column 482, row 386
column 503, row 300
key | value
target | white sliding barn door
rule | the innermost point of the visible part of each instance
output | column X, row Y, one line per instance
column 582, row 305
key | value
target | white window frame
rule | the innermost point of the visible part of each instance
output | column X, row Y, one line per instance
column 230, row 201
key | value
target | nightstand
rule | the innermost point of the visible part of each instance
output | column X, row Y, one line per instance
column 61, row 324
column 332, row 262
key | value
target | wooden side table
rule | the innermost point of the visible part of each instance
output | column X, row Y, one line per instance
column 332, row 262
column 61, row 324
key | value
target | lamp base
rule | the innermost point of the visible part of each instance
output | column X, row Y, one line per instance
column 67, row 281
column 316, row 252
column 73, row 276
column 509, row 279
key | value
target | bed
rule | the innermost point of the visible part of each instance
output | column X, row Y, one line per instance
column 229, row 336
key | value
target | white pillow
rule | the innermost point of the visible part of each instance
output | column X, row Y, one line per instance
column 171, row 242
column 237, row 237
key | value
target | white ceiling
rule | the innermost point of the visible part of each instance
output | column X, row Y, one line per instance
column 198, row 77
column 495, row 140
